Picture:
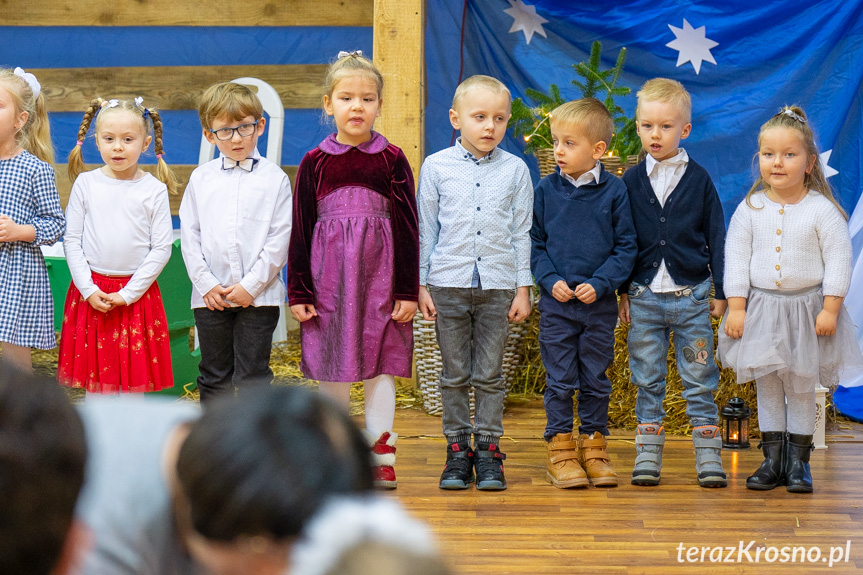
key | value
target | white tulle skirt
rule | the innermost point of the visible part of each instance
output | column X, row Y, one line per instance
column 779, row 337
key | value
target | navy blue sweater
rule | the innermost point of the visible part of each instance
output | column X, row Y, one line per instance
column 582, row 234
column 688, row 232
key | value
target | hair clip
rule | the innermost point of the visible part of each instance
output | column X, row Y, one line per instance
column 344, row 54
column 138, row 101
column 31, row 81
column 110, row 103
column 792, row 114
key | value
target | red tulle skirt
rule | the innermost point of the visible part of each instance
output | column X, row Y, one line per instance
column 124, row 350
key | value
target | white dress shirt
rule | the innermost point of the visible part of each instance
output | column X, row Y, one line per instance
column 664, row 177
column 235, row 227
column 117, row 228
column 589, row 177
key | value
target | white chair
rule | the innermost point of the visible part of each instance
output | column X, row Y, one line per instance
column 275, row 127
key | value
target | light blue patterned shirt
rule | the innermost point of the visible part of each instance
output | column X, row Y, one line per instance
column 475, row 213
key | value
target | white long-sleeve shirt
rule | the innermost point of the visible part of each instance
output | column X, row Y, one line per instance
column 788, row 247
column 235, row 227
column 664, row 177
column 117, row 228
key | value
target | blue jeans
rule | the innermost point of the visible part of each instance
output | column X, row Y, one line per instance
column 472, row 327
column 686, row 313
column 576, row 341
column 235, row 348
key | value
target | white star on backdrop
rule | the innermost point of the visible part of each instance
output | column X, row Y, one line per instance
column 692, row 44
column 824, row 157
column 525, row 19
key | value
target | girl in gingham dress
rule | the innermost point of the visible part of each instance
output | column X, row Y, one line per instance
column 30, row 216
column 118, row 240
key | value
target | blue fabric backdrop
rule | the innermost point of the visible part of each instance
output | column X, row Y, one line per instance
column 86, row 47
column 766, row 54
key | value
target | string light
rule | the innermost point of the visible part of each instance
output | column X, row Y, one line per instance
column 536, row 129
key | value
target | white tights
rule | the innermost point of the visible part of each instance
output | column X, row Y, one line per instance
column 797, row 416
column 380, row 401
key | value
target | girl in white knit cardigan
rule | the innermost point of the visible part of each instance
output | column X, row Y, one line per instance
column 787, row 270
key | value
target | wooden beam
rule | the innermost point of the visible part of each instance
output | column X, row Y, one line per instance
column 64, row 184
column 187, row 13
column 173, row 87
column 398, row 53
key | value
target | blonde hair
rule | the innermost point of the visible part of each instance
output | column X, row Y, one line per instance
column 353, row 64
column 588, row 115
column 35, row 135
column 150, row 119
column 487, row 82
column 228, row 100
column 794, row 118
column 667, row 91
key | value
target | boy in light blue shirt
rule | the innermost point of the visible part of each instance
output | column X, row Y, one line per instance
column 475, row 206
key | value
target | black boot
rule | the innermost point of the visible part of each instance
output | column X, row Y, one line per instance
column 771, row 473
column 798, row 479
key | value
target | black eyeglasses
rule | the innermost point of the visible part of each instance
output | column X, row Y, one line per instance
column 244, row 130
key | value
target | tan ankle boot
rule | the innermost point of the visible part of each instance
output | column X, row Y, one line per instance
column 563, row 469
column 593, row 457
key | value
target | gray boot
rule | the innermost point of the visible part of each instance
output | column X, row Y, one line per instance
column 649, row 440
column 708, row 463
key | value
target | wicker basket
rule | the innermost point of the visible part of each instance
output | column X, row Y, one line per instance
column 428, row 361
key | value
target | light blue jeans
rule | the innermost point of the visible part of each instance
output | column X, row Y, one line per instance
column 654, row 316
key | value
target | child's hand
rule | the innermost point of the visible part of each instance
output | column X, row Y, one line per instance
column 734, row 323
column 585, row 293
column 404, row 311
column 718, row 307
column 825, row 322
column 100, row 302
column 623, row 309
column 116, row 299
column 303, row 312
column 561, row 292
column 520, row 308
column 12, row 232
column 215, row 298
column 237, row 294
column 426, row 305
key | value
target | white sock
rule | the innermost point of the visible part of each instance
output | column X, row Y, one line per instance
column 339, row 392
column 380, row 398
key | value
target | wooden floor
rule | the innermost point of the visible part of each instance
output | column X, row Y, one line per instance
column 533, row 528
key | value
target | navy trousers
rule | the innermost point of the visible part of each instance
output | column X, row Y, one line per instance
column 577, row 345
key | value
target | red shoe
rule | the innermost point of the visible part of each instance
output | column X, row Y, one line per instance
column 383, row 460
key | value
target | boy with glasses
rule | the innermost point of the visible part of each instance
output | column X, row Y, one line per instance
column 235, row 226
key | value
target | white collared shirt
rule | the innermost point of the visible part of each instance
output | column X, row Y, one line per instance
column 117, row 228
column 235, row 227
column 664, row 177
column 588, row 177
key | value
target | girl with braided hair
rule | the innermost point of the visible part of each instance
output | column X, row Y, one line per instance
column 118, row 238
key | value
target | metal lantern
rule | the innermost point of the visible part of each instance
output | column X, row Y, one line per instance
column 735, row 424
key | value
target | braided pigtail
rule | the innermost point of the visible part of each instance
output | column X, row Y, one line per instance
column 164, row 171
column 76, row 159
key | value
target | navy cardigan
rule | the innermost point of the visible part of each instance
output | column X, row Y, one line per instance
column 688, row 232
column 582, row 234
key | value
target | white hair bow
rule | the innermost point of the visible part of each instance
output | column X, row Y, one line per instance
column 139, row 101
column 344, row 54
column 31, row 81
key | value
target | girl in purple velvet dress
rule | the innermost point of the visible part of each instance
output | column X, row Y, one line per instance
column 353, row 263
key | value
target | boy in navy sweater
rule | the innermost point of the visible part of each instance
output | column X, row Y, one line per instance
column 681, row 240
column 582, row 248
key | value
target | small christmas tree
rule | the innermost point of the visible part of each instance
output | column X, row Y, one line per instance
column 531, row 122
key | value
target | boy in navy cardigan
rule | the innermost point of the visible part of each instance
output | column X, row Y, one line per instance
column 681, row 240
column 582, row 248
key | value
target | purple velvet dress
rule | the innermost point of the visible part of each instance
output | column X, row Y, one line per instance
column 354, row 251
